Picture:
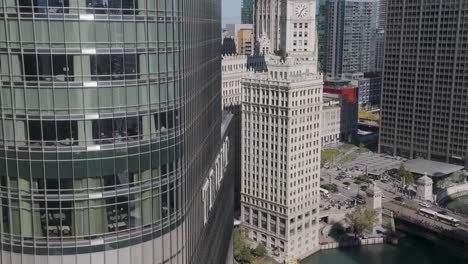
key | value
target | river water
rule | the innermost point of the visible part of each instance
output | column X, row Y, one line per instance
column 459, row 204
column 410, row 250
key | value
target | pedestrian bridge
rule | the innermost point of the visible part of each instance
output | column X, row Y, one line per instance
column 452, row 193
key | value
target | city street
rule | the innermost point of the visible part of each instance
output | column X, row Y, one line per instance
column 345, row 176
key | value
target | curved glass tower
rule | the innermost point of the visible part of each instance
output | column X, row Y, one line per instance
column 106, row 108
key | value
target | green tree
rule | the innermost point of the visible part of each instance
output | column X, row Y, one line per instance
column 329, row 154
column 461, row 177
column 331, row 187
column 401, row 172
column 260, row 261
column 239, row 237
column 409, row 178
column 363, row 178
column 245, row 255
column 458, row 177
column 362, row 219
column 405, row 176
column 260, row 250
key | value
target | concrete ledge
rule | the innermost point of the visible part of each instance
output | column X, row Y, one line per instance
column 353, row 243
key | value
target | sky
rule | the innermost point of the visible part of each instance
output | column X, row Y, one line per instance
column 231, row 11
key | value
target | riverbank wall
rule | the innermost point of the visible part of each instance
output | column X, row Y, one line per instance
column 457, row 237
column 352, row 243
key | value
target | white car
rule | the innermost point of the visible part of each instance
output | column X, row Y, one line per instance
column 424, row 205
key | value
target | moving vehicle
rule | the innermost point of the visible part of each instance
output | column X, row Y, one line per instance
column 400, row 199
column 439, row 217
column 324, row 192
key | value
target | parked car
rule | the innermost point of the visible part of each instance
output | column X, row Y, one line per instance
column 423, row 204
column 359, row 201
column 392, row 172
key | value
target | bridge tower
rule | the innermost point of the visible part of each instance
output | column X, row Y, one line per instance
column 424, row 189
column 374, row 201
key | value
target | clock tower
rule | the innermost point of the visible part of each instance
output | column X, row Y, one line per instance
column 299, row 38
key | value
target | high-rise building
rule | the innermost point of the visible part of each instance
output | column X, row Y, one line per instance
column 243, row 37
column 281, row 159
column 350, row 26
column 330, row 127
column 244, row 42
column 111, row 148
column 281, row 132
column 382, row 15
column 234, row 67
column 247, row 11
column 346, row 92
column 369, row 87
column 228, row 46
column 267, row 18
column 379, row 38
column 425, row 94
column 320, row 22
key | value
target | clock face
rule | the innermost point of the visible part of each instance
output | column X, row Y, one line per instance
column 301, row 10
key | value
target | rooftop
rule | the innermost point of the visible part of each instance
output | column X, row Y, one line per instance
column 432, row 168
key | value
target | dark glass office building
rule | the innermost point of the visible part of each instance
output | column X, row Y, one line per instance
column 425, row 81
column 247, row 11
column 110, row 132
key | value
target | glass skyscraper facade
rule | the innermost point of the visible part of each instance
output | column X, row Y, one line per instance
column 106, row 111
column 247, row 11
